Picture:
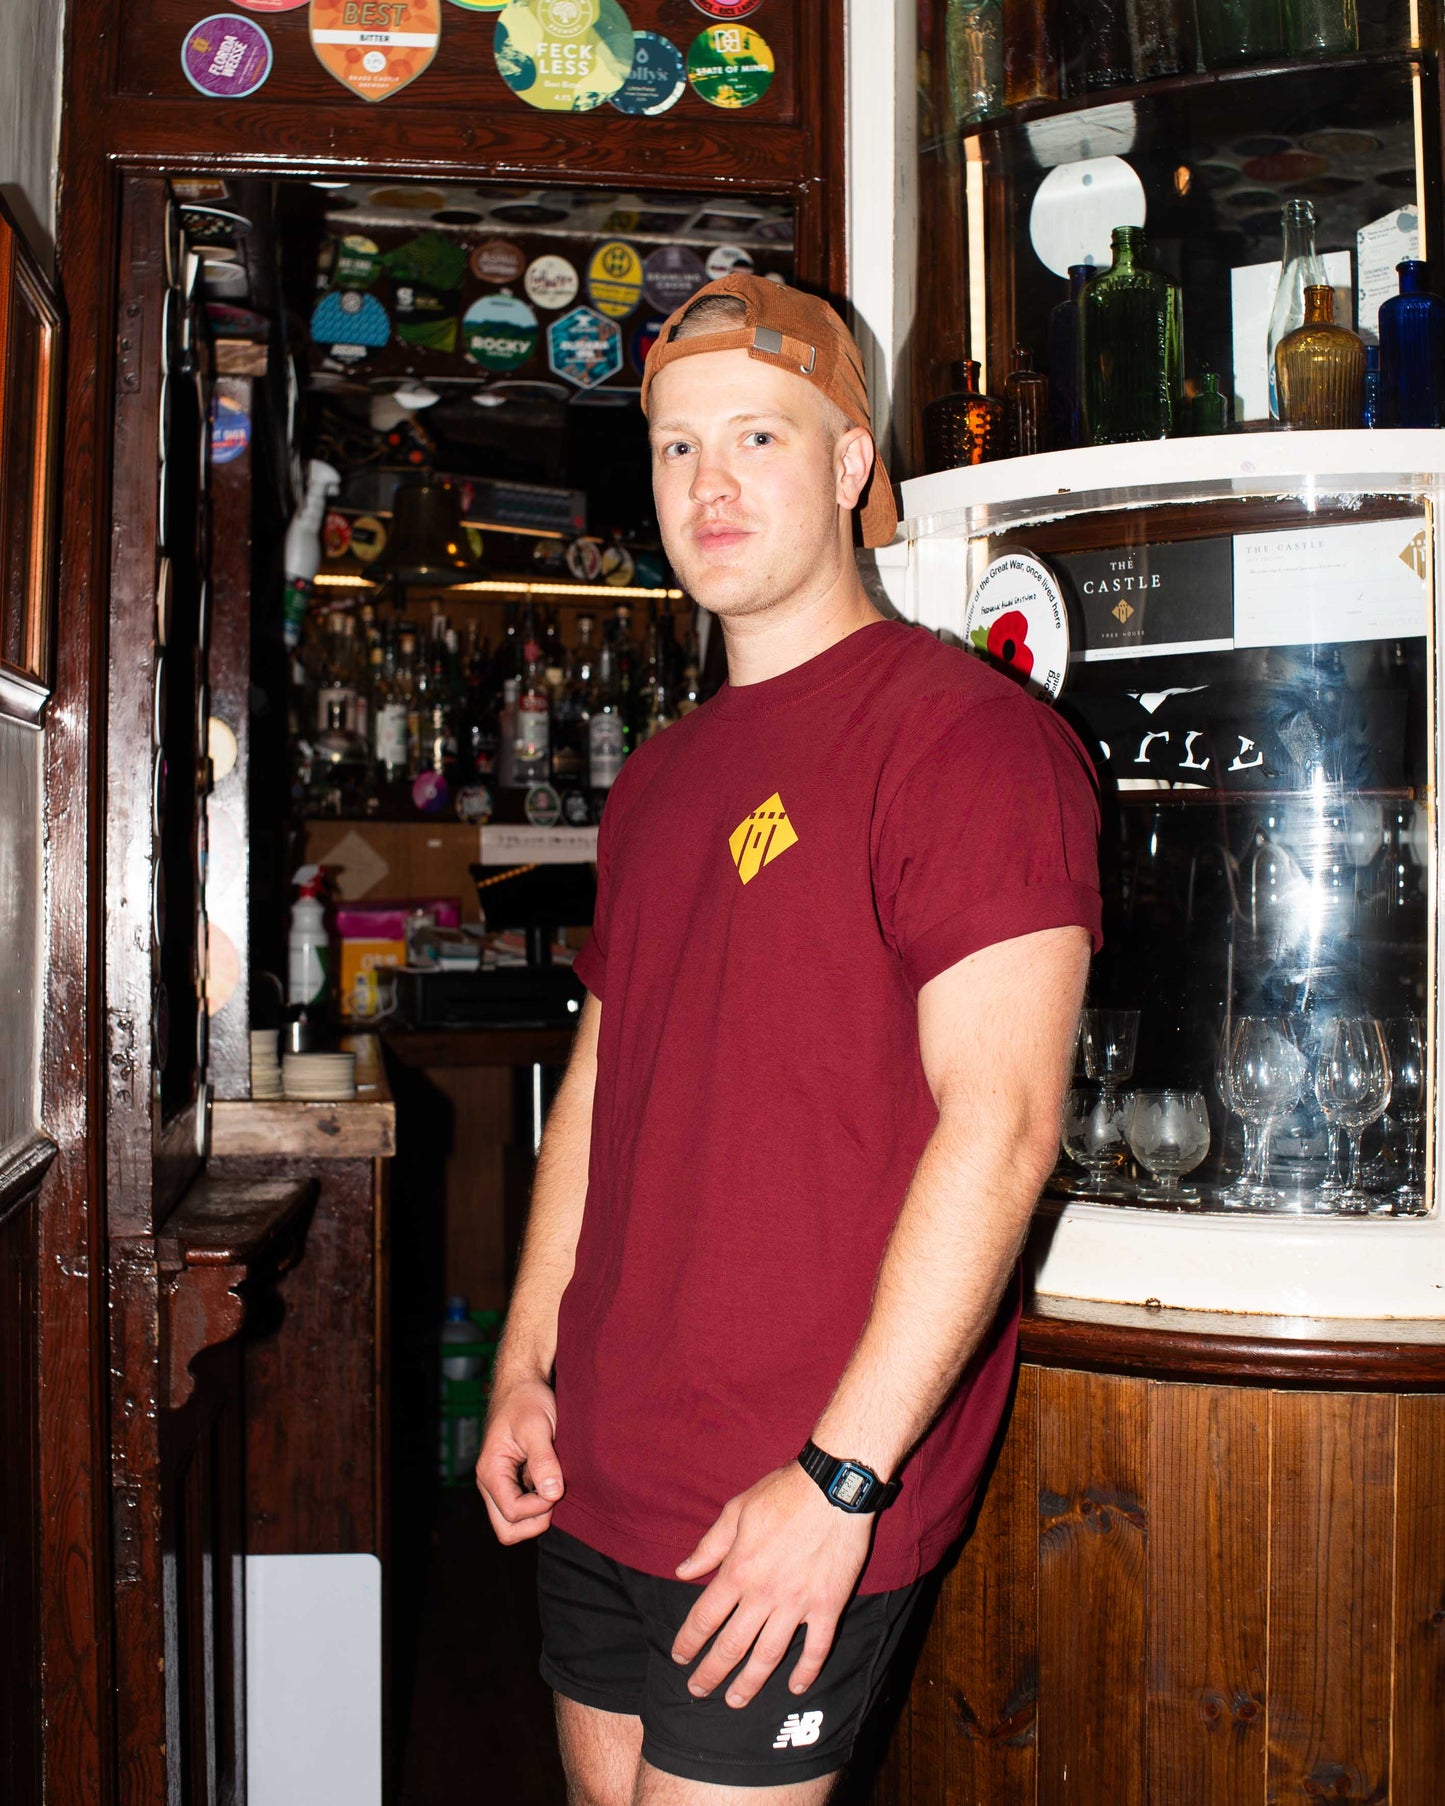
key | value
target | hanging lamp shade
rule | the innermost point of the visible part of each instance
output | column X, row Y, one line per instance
column 427, row 542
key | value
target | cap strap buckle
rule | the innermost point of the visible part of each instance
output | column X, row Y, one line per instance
column 768, row 339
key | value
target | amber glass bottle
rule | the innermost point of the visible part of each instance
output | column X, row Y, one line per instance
column 963, row 427
column 1025, row 405
column 1030, row 51
column 1320, row 368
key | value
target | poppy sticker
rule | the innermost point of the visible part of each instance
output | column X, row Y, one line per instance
column 1016, row 619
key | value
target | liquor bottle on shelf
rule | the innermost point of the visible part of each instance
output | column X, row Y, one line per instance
column 1095, row 46
column 388, row 716
column 1372, row 411
column 964, row 426
column 573, row 709
column 1320, row 27
column 1030, row 51
column 1320, row 368
column 1209, row 412
column 1234, row 32
column 1300, row 267
column 1132, row 348
column 479, row 733
column 1159, row 38
column 606, row 731
column 532, row 763
column 1412, row 351
column 406, row 675
column 973, row 39
column 1026, row 405
column 1065, row 422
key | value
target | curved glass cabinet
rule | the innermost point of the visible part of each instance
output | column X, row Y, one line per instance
column 1253, row 666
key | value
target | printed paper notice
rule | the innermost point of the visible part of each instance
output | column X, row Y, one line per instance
column 501, row 844
column 1325, row 585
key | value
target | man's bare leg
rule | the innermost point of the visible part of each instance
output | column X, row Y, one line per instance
column 600, row 1753
column 657, row 1789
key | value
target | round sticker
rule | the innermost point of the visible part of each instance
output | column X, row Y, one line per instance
column 343, row 317
column 584, row 348
column 1016, row 619
column 618, row 565
column 335, row 535
column 497, row 260
column 368, row 538
column 551, row 283
column 584, row 560
column 730, row 65
column 671, row 275
column 657, row 77
column 481, row 6
column 270, row 6
column 727, row 9
column 358, row 260
column 724, row 258
column 230, row 322
column 543, row 807
column 644, row 337
column 565, row 56
column 614, row 279
column 230, row 429
column 226, row 55
column 499, row 332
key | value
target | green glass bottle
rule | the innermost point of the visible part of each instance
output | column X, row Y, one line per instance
column 1210, row 410
column 1131, row 322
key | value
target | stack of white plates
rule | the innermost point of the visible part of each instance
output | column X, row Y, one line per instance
column 265, row 1070
column 319, row 1075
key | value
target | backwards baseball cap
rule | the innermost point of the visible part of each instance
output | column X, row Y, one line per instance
column 796, row 332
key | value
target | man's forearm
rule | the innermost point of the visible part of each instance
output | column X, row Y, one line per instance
column 947, row 1263
column 554, row 1221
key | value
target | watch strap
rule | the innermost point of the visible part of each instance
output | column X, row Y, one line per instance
column 826, row 1470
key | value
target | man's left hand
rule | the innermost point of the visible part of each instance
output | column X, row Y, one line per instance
column 784, row 1557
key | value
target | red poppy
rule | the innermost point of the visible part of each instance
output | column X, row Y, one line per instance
column 1008, row 642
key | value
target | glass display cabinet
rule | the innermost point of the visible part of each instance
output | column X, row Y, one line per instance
column 1242, row 631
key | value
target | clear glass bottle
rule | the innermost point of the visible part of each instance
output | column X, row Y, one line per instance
column 1233, row 32
column 1412, row 351
column 573, row 708
column 1065, row 422
column 1300, row 267
column 1095, row 35
column 1320, row 27
column 964, row 426
column 1026, row 405
column 1210, row 410
column 1320, row 368
column 606, row 731
column 388, row 720
column 407, row 690
column 1160, row 33
column 1030, row 51
column 973, row 40
column 532, row 734
column 1132, row 340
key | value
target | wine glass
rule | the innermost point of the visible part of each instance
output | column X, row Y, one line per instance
column 1267, row 1075
column 1405, row 1045
column 1109, row 1037
column 1094, row 1138
column 1169, row 1134
column 1352, row 1083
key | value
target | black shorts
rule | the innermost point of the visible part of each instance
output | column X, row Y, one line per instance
column 607, row 1635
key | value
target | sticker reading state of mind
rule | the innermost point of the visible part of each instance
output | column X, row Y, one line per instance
column 375, row 47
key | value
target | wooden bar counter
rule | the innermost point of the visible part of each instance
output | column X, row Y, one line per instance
column 1208, row 1570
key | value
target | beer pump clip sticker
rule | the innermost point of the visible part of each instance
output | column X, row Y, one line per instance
column 226, row 55
column 375, row 47
column 730, row 65
column 1016, row 619
column 564, row 56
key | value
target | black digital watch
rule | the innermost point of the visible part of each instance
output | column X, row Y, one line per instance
column 847, row 1484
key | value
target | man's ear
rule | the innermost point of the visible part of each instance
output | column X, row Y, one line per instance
column 853, row 464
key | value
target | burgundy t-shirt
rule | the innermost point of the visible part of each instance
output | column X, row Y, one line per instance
column 778, row 875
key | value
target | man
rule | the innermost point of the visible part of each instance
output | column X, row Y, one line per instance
column 843, row 925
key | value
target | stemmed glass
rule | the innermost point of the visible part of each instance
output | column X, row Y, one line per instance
column 1352, row 1083
column 1405, row 1045
column 1109, row 1037
column 1094, row 1138
column 1267, row 1075
column 1169, row 1134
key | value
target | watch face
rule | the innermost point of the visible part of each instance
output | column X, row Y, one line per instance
column 851, row 1487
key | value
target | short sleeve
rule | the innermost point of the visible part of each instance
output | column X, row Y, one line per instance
column 991, row 834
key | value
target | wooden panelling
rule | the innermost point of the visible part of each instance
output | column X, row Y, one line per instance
column 481, row 1112
column 1093, row 1533
column 20, row 1741
column 976, row 1691
column 1418, row 1766
column 1208, row 1494
column 1331, row 1524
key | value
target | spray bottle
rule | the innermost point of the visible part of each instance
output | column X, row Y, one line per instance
column 302, row 557
column 306, row 947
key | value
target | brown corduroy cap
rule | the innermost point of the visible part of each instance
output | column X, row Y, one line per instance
column 796, row 332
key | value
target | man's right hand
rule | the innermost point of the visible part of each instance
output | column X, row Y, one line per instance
column 517, row 1471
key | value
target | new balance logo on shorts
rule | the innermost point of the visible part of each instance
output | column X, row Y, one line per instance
column 798, row 1729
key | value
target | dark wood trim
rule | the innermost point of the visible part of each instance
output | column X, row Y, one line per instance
column 22, row 1169
column 1400, row 1355
column 21, row 699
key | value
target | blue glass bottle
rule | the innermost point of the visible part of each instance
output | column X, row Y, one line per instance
column 1065, row 418
column 1371, row 415
column 1412, row 351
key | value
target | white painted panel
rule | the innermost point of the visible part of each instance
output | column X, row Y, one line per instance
column 30, row 35
column 20, row 930
column 313, row 1680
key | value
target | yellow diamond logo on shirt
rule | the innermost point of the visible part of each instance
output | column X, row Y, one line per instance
column 757, row 841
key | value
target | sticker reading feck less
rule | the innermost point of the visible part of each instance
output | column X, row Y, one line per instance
column 375, row 47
